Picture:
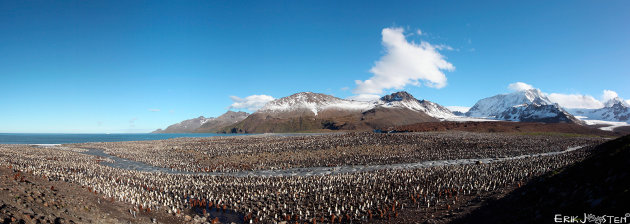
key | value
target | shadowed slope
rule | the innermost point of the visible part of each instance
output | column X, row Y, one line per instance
column 599, row 185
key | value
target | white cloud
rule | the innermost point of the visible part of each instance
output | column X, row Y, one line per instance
column 444, row 47
column 458, row 108
column 519, row 86
column 364, row 97
column 405, row 63
column 154, row 110
column 251, row 103
column 419, row 32
column 609, row 95
column 575, row 101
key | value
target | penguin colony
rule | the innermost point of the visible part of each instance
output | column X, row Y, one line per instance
column 246, row 153
column 341, row 198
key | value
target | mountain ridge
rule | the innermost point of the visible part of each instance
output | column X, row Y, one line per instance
column 228, row 118
column 203, row 124
column 616, row 109
column 185, row 126
column 307, row 111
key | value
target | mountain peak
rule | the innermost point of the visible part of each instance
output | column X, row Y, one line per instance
column 398, row 96
column 528, row 96
column 616, row 101
column 494, row 106
column 403, row 99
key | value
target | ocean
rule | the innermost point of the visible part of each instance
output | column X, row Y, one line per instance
column 29, row 138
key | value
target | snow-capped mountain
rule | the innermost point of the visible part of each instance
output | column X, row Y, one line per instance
column 496, row 105
column 317, row 102
column 529, row 105
column 405, row 100
column 615, row 109
column 312, row 102
column 617, row 100
column 185, row 126
column 312, row 111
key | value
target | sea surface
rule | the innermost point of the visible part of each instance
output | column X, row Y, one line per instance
column 28, row 138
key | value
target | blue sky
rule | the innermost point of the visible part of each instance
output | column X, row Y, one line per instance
column 134, row 66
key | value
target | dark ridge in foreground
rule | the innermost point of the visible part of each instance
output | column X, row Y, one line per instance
column 599, row 185
column 506, row 126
